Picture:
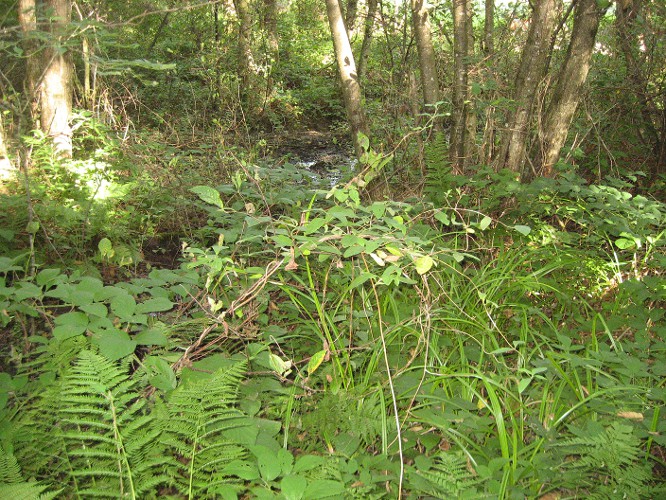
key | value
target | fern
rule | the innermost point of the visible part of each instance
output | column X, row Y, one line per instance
column 606, row 461
column 202, row 431
column 108, row 440
column 26, row 491
column 447, row 477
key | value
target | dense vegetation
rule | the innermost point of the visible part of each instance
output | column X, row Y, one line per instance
column 217, row 293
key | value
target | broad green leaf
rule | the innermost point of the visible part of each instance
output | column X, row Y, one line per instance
column 314, row 225
column 105, row 248
column 325, row 488
column 315, row 361
column 423, row 264
column 278, row 365
column 485, row 222
column 308, row 462
column 152, row 336
column 25, row 290
column 293, row 487
column 524, row 230
column 624, row 243
column 114, row 344
column 70, row 325
column 47, row 276
column 443, row 218
column 123, row 305
column 158, row 304
column 269, row 464
column 208, row 195
column 95, row 309
column 360, row 279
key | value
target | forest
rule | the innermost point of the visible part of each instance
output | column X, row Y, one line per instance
column 338, row 249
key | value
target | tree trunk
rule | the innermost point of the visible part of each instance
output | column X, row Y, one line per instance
column 628, row 12
column 246, row 65
column 570, row 82
column 351, row 90
column 489, row 28
column 457, row 151
column 55, row 90
column 533, row 63
column 27, row 16
column 350, row 16
column 427, row 60
column 6, row 167
column 368, row 31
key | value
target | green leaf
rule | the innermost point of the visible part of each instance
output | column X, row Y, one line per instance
column 315, row 361
column 485, row 223
column 105, row 248
column 161, row 376
column 70, row 325
column 624, row 243
column 152, row 336
column 47, row 276
column 123, row 305
column 208, row 195
column 267, row 460
column 524, row 230
column 293, row 487
column 325, row 488
column 443, row 218
column 158, row 304
column 314, row 225
column 423, row 264
column 114, row 344
column 95, row 309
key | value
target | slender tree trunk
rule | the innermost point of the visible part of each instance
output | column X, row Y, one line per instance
column 570, row 82
column 458, row 153
column 489, row 28
column 56, row 83
column 368, row 31
column 533, row 63
column 627, row 14
column 350, row 16
column 427, row 60
column 351, row 89
column 246, row 65
column 27, row 15
column 6, row 167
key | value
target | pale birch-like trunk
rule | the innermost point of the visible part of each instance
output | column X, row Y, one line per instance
column 489, row 27
column 351, row 89
column 531, row 71
column 570, row 82
column 458, row 141
column 55, row 87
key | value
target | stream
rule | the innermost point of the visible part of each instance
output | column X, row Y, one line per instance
column 321, row 156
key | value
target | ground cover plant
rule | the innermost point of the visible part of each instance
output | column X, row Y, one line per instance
column 282, row 251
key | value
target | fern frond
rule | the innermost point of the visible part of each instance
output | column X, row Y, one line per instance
column 109, row 442
column 449, row 477
column 10, row 471
column 26, row 491
column 607, row 461
column 197, row 423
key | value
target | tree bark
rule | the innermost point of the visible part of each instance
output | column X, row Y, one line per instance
column 351, row 89
column 489, row 28
column 427, row 60
column 458, row 141
column 246, row 65
column 350, row 16
column 27, row 15
column 368, row 31
column 55, row 89
column 570, row 82
column 532, row 68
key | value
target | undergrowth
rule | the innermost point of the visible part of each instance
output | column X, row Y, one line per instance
column 497, row 340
